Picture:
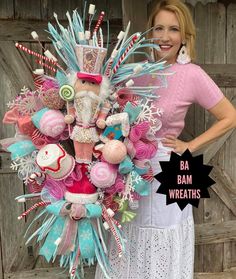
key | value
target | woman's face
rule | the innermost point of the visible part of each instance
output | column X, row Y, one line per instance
column 167, row 31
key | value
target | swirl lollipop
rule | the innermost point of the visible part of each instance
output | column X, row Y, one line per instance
column 67, row 93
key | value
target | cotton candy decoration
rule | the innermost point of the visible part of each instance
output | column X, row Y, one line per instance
column 103, row 175
column 114, row 151
column 52, row 123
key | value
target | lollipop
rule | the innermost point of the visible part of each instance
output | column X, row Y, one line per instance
column 103, row 175
column 67, row 93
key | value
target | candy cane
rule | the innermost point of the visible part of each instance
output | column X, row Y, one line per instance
column 100, row 19
column 46, row 65
column 36, row 205
column 131, row 44
column 33, row 177
column 108, row 220
column 72, row 273
column 31, row 52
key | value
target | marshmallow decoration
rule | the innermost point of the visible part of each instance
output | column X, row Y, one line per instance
column 95, row 104
column 114, row 152
column 103, row 175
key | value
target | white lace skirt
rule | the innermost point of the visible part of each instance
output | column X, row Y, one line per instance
column 160, row 241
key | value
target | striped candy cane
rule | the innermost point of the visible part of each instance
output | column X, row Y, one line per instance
column 100, row 19
column 75, row 265
column 131, row 44
column 36, row 205
column 33, row 177
column 31, row 52
column 109, row 222
column 46, row 65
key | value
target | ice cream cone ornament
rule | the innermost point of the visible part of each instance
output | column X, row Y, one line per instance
column 95, row 102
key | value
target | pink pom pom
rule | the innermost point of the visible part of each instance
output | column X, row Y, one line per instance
column 145, row 150
column 52, row 123
column 139, row 131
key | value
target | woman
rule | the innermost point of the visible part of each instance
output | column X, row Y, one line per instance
column 161, row 239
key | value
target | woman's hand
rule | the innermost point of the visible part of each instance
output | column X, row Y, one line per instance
column 178, row 146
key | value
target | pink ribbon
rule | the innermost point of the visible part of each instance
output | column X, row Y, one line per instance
column 90, row 77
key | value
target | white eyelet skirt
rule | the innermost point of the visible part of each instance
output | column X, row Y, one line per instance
column 160, row 241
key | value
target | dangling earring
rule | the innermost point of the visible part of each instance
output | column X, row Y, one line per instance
column 152, row 57
column 183, row 57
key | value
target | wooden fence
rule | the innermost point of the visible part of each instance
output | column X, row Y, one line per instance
column 215, row 255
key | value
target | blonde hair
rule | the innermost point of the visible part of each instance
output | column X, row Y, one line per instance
column 187, row 27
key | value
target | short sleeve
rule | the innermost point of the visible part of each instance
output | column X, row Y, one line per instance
column 206, row 93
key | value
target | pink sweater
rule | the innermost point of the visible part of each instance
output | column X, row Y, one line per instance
column 189, row 84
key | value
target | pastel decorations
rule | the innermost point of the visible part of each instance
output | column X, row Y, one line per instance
column 112, row 132
column 52, row 99
column 145, row 150
column 37, row 117
column 21, row 149
column 50, row 122
column 126, row 166
column 114, row 151
column 25, row 125
column 103, row 175
column 54, row 161
column 67, row 93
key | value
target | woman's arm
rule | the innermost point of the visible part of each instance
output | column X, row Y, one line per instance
column 225, row 114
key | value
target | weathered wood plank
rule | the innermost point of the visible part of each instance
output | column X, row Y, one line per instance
column 48, row 273
column 209, row 233
column 12, row 249
column 27, row 9
column 220, row 275
column 60, row 7
column 16, row 30
column 51, row 273
column 137, row 16
column 6, row 9
column 223, row 74
column 231, row 34
column 215, row 36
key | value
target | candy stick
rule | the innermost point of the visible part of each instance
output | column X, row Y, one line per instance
column 108, row 220
column 131, row 44
column 72, row 273
column 46, row 65
column 67, row 94
column 36, row 205
column 35, row 36
column 31, row 52
column 100, row 19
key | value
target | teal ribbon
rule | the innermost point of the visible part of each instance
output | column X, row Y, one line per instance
column 84, row 233
column 141, row 186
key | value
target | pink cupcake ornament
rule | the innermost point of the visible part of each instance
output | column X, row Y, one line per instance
column 114, row 151
column 103, row 175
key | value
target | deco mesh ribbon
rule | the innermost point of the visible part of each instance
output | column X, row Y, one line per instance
column 89, row 103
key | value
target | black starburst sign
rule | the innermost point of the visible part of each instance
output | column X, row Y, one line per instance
column 184, row 179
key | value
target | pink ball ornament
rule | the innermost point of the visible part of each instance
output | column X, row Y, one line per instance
column 103, row 175
column 114, row 151
column 52, row 123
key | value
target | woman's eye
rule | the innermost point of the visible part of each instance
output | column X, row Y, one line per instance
column 158, row 28
column 175, row 29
